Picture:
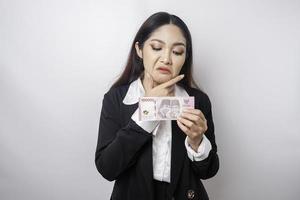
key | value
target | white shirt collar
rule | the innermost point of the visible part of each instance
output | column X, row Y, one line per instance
column 136, row 90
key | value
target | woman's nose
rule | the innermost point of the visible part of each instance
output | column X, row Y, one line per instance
column 166, row 58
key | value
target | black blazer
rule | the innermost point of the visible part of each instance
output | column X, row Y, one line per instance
column 124, row 152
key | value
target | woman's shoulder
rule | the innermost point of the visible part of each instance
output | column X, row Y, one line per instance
column 196, row 92
column 201, row 97
column 117, row 93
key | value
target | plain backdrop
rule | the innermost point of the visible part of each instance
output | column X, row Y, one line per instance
column 59, row 57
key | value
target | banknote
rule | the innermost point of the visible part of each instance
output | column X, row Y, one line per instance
column 163, row 108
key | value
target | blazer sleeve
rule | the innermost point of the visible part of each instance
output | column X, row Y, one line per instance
column 208, row 167
column 117, row 146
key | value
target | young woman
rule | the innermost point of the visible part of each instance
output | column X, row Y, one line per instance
column 153, row 160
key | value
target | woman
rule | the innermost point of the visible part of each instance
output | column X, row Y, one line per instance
column 153, row 160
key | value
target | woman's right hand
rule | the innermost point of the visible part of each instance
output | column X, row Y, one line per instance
column 164, row 89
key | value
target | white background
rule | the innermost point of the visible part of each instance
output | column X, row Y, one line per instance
column 58, row 58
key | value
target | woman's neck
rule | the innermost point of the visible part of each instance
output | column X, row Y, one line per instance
column 143, row 80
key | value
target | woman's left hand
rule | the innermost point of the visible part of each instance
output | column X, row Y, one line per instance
column 193, row 123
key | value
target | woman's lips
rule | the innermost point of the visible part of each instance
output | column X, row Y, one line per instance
column 164, row 70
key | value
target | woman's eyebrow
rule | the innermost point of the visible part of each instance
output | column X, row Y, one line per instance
column 174, row 44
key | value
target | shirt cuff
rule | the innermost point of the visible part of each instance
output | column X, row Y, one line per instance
column 148, row 126
column 202, row 152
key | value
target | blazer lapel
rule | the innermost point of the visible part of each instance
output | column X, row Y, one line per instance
column 178, row 154
column 146, row 162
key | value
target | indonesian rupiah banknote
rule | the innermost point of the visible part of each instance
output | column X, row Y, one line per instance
column 163, row 108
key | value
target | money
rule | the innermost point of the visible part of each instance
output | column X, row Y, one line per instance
column 163, row 108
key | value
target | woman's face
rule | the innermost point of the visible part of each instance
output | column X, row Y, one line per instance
column 163, row 53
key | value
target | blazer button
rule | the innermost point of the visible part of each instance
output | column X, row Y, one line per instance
column 190, row 194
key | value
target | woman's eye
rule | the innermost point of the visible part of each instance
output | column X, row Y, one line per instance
column 159, row 48
column 156, row 49
column 177, row 53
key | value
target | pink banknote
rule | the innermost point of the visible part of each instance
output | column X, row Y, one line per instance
column 163, row 108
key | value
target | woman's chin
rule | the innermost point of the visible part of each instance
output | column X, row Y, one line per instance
column 162, row 78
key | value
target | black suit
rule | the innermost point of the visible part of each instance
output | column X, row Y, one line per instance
column 124, row 152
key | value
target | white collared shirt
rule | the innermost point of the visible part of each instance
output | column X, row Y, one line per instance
column 162, row 136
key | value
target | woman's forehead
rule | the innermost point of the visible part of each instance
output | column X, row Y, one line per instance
column 168, row 34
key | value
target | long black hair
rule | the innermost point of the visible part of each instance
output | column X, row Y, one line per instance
column 134, row 66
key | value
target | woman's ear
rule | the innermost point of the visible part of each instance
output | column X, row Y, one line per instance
column 138, row 50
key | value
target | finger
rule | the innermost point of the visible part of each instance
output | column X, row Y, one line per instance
column 172, row 81
column 192, row 133
column 200, row 125
column 183, row 128
column 195, row 118
column 185, row 122
column 195, row 111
